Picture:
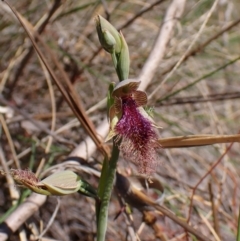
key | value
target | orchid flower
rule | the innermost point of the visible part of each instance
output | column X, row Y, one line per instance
column 131, row 123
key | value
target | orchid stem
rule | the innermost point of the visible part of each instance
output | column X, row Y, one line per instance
column 103, row 212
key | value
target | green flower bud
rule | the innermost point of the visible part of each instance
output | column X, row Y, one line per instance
column 109, row 37
column 59, row 183
column 109, row 42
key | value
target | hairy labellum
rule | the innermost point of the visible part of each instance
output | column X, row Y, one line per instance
column 139, row 140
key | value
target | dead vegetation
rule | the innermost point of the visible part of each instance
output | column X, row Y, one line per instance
column 198, row 97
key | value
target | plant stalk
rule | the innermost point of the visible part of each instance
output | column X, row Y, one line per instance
column 103, row 212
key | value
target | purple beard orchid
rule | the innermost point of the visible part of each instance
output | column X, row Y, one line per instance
column 133, row 126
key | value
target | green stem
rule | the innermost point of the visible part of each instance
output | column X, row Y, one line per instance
column 238, row 230
column 103, row 212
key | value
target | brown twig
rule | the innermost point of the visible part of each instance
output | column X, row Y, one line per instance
column 234, row 195
column 67, row 90
column 199, row 99
column 180, row 61
column 150, row 219
column 214, row 210
column 142, row 202
column 140, row 13
column 12, row 190
column 171, row 18
column 21, row 214
column 39, row 126
column 201, row 47
column 197, row 140
column 203, row 177
column 29, row 53
column 10, row 141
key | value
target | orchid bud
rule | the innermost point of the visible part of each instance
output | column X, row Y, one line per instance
column 108, row 42
column 109, row 37
column 114, row 43
column 59, row 183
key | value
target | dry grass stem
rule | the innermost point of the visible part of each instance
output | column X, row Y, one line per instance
column 197, row 140
column 159, row 49
column 188, row 49
column 54, row 118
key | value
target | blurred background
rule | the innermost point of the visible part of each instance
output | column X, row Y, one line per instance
column 209, row 106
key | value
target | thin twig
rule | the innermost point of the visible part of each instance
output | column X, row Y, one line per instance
column 50, row 222
column 27, row 55
column 174, row 12
column 201, row 47
column 68, row 92
column 205, row 220
column 188, row 49
column 141, row 196
column 200, row 79
column 12, row 190
column 140, row 13
column 53, row 123
column 10, row 141
column 199, row 99
column 214, row 211
column 21, row 214
column 203, row 177
column 39, row 126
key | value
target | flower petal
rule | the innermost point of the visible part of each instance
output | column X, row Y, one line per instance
column 118, row 105
column 140, row 97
